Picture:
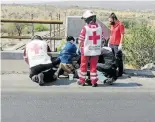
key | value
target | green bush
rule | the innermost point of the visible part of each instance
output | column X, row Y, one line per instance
column 40, row 27
column 139, row 45
column 129, row 23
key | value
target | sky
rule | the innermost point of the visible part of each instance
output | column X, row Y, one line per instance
column 42, row 1
column 27, row 1
column 136, row 5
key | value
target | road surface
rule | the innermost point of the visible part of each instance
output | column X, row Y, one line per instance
column 128, row 100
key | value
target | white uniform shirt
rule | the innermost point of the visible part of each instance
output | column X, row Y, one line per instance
column 92, row 42
column 36, row 52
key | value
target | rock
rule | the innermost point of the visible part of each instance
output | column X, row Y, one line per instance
column 150, row 66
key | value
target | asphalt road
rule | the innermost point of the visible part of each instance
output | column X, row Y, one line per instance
column 75, row 106
column 128, row 100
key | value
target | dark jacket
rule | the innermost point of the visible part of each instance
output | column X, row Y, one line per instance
column 107, row 58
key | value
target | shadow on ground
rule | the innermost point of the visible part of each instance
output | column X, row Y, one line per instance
column 121, row 85
column 61, row 82
column 65, row 82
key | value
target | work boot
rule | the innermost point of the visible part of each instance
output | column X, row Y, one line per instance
column 109, row 81
column 57, row 73
column 94, row 85
column 88, row 81
column 41, row 79
column 55, row 77
column 35, row 78
column 81, row 84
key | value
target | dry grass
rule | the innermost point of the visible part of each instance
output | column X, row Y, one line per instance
column 46, row 12
column 49, row 12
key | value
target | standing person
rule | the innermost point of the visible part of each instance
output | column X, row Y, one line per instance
column 40, row 64
column 116, row 40
column 90, row 47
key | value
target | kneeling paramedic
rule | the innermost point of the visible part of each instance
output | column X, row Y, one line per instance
column 107, row 65
column 66, row 56
column 40, row 64
column 90, row 46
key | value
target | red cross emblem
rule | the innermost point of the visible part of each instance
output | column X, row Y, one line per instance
column 94, row 38
column 36, row 48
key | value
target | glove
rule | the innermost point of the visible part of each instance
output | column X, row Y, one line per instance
column 120, row 47
column 78, row 52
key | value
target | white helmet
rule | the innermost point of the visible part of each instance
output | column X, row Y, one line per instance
column 87, row 14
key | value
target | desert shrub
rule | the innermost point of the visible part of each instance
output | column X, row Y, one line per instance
column 40, row 27
column 19, row 27
column 9, row 29
column 139, row 45
column 13, row 29
column 27, row 30
column 129, row 23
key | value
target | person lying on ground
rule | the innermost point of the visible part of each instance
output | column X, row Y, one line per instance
column 40, row 64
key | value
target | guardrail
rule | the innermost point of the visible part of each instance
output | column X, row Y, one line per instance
column 29, row 37
column 51, row 36
column 18, row 55
column 32, row 21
